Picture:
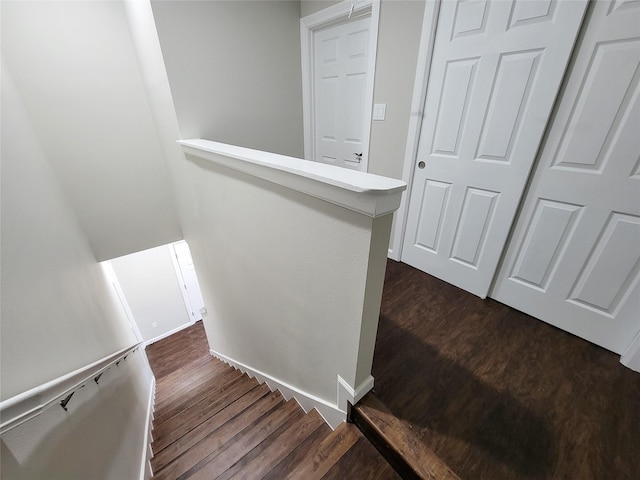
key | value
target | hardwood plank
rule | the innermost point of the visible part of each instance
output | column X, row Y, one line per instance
column 268, row 454
column 207, row 448
column 497, row 394
column 399, row 444
column 192, row 379
column 299, row 454
column 226, row 413
column 330, row 450
column 362, row 462
column 245, row 390
column 246, row 440
column 174, row 427
column 185, row 346
column 217, row 385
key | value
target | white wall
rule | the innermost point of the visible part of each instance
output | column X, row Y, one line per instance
column 100, row 436
column 234, row 69
column 291, row 282
column 283, row 275
column 59, row 314
column 76, row 70
column 58, row 311
column 398, row 41
column 307, row 7
column 150, row 285
column 399, row 33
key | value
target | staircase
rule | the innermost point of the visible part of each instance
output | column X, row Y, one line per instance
column 213, row 422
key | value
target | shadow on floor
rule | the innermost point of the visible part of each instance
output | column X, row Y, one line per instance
column 441, row 396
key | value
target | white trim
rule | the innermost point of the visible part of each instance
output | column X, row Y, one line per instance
column 110, row 273
column 168, row 334
column 331, row 414
column 324, row 18
column 631, row 356
column 427, row 40
column 145, row 465
column 365, row 193
column 22, row 407
column 346, row 393
column 182, row 284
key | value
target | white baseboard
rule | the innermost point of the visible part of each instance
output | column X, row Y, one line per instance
column 145, row 465
column 331, row 414
column 348, row 394
column 168, row 334
column 631, row 356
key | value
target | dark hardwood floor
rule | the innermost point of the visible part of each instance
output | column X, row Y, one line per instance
column 496, row 394
column 212, row 422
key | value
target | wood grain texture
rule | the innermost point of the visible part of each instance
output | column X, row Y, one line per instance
column 329, row 452
column 398, row 443
column 360, row 462
column 497, row 394
column 214, row 422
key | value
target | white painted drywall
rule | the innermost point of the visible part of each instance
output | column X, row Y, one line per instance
column 234, row 69
column 77, row 72
column 285, row 278
column 101, row 436
column 400, row 30
column 398, row 42
column 150, row 285
column 58, row 311
column 307, row 7
column 284, row 275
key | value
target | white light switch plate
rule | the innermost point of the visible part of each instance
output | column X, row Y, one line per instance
column 379, row 111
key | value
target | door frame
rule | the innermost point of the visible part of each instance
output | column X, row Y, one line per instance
column 181, row 280
column 335, row 14
column 631, row 356
column 423, row 68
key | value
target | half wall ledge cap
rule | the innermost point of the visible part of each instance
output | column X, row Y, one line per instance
column 366, row 193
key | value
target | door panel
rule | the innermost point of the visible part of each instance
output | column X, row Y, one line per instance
column 574, row 258
column 495, row 73
column 341, row 69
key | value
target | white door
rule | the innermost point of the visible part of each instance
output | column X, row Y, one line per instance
column 574, row 257
column 187, row 276
column 341, row 65
column 495, row 73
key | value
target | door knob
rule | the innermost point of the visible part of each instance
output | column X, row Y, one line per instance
column 358, row 156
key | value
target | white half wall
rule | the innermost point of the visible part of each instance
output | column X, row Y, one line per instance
column 150, row 285
column 292, row 282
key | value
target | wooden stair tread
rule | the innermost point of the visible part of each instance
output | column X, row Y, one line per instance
column 198, row 391
column 328, row 453
column 211, row 435
column 212, row 421
column 362, row 462
column 228, row 407
column 230, row 388
column 272, row 451
column 246, row 440
column 400, row 445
